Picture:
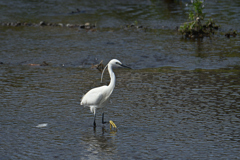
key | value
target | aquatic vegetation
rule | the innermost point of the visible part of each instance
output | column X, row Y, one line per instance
column 133, row 25
column 231, row 33
column 196, row 28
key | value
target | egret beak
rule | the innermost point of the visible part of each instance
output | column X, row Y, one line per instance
column 125, row 66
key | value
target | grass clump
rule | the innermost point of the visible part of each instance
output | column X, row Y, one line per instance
column 196, row 28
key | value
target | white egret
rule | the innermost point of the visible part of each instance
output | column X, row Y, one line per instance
column 97, row 97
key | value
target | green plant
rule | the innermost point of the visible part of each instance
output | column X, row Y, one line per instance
column 194, row 28
column 196, row 10
column 195, row 15
column 135, row 22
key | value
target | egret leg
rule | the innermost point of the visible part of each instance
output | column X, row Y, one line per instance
column 94, row 123
column 103, row 119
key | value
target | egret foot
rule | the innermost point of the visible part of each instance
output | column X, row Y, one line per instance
column 112, row 124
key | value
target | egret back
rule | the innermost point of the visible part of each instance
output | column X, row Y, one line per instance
column 95, row 96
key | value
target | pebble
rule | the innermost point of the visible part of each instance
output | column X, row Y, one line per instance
column 71, row 25
column 60, row 24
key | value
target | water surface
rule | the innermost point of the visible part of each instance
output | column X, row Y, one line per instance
column 180, row 101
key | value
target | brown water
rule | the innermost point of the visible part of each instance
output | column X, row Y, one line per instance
column 180, row 101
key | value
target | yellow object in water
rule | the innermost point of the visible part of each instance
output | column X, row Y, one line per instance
column 112, row 124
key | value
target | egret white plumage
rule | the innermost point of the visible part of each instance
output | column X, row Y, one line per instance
column 97, row 97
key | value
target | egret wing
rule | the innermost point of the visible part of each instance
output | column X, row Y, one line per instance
column 93, row 97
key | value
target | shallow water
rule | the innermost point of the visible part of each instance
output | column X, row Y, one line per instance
column 159, row 114
column 157, row 46
column 180, row 101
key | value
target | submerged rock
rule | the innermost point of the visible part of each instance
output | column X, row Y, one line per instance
column 42, row 64
column 77, row 11
column 71, row 25
column 229, row 34
column 133, row 26
column 87, row 26
column 42, row 23
column 60, row 24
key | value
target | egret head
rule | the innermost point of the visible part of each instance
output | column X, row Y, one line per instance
column 114, row 63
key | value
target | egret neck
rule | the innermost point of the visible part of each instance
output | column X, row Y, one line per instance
column 112, row 81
